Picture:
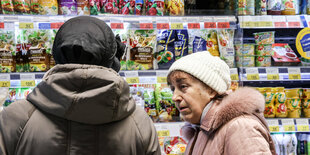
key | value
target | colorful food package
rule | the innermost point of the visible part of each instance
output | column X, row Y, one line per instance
column 260, row 7
column 7, row 7
column 245, row 61
column 22, row 93
column 293, row 103
column 181, row 44
column 94, row 7
column 142, row 44
column 136, row 92
column 112, row 6
column 274, row 7
column 174, row 7
column 21, row 6
column 165, row 107
column 11, row 97
column 264, row 38
column 244, row 49
column 246, row 7
column 139, row 7
column 83, row 7
column 149, row 101
column 165, row 48
column 306, row 105
column 263, row 61
column 288, row 7
column 49, row 50
column 283, row 55
column 123, row 34
column 212, row 44
column 203, row 40
column 234, row 85
column 7, row 51
column 34, row 7
column 269, row 106
column 3, row 95
column 22, row 50
column 68, row 7
column 226, row 46
column 174, row 145
column 263, row 50
column 281, row 108
column 155, row 7
column 48, row 7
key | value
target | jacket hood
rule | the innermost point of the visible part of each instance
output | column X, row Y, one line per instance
column 83, row 93
column 242, row 101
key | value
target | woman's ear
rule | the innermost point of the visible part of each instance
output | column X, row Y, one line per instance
column 212, row 93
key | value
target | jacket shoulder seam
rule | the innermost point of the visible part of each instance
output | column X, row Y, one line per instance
column 141, row 137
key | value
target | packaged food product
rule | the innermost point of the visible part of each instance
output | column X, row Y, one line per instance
column 48, row 7
column 263, row 61
column 139, row 7
column 226, row 46
column 155, row 7
column 306, row 107
column 7, row 51
column 83, row 7
column 245, row 61
column 142, row 45
column 174, row 145
column 260, row 7
column 293, row 103
column 95, row 7
column 283, row 55
column 3, row 96
column 234, row 85
column 175, row 7
column 244, row 49
column 197, row 40
column 264, row 37
column 181, row 44
column 212, row 44
column 165, row 48
column 263, row 50
column 288, row 7
column 149, row 101
column 112, row 6
column 261, row 90
column 280, row 103
column 242, row 4
column 290, row 144
column 11, row 96
column 269, row 106
column 68, row 7
column 21, row 6
column 165, row 107
column 274, row 7
column 7, row 7
column 34, row 7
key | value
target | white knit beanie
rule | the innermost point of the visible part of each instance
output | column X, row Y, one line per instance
column 211, row 70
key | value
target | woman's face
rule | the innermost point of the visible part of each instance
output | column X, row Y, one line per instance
column 190, row 95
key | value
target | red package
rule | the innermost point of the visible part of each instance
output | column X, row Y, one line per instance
column 128, row 7
column 109, row 6
column 155, row 7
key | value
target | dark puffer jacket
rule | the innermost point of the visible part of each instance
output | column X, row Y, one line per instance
column 77, row 110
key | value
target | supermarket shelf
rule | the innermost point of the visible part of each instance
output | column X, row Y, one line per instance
column 169, row 129
column 281, row 125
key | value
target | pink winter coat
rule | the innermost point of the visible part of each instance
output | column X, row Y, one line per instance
column 233, row 126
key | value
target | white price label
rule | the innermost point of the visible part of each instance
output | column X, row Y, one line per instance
column 131, row 74
column 288, row 124
column 293, row 70
column 161, row 73
column 25, row 19
column 27, row 77
column 272, row 122
column 148, row 80
column 302, row 121
column 5, row 77
column 233, row 71
column 252, row 70
column 272, row 70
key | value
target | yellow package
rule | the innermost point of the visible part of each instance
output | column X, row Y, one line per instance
column 306, row 107
column 292, row 93
column 261, row 90
column 280, row 103
column 212, row 44
column 269, row 106
column 294, row 107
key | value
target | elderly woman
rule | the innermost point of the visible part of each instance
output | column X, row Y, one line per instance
column 219, row 121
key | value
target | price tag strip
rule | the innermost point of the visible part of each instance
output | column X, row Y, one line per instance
column 252, row 73
column 117, row 25
column 132, row 77
column 272, row 73
column 302, row 125
column 294, row 73
column 27, row 80
column 193, row 25
column 288, row 124
column 5, row 80
column 234, row 74
column 210, row 25
column 161, row 76
column 177, row 26
column 168, row 129
column 273, row 125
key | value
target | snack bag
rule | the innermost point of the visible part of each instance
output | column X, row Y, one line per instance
column 155, row 7
column 274, row 7
column 197, row 40
column 293, row 103
column 306, row 105
column 11, row 97
column 22, row 50
column 281, row 108
column 68, row 7
column 226, row 46
column 7, row 51
column 175, row 7
column 264, row 37
column 181, row 44
column 269, row 106
column 7, row 7
column 48, row 7
column 261, row 7
column 21, row 6
column 34, row 7
column 142, row 45
column 288, row 7
column 165, row 48
column 244, row 49
column 94, row 7
column 263, row 50
column 245, row 61
column 263, row 61
column 139, row 7
column 212, row 44
column 123, row 34
column 174, row 145
column 112, row 6
column 149, row 102
column 83, row 7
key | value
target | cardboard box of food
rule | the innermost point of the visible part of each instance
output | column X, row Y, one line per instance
column 283, row 55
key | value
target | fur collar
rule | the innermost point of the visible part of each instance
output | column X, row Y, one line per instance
column 243, row 101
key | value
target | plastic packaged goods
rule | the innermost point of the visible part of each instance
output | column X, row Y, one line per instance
column 203, row 40
column 165, row 48
column 68, row 7
column 264, row 37
column 293, row 103
column 181, row 44
column 34, row 7
column 288, row 7
column 3, row 95
column 226, row 46
column 95, row 7
column 175, row 7
column 308, row 143
column 280, row 103
column 245, row 49
column 302, row 144
column 139, row 7
column 174, row 145
column 21, row 6
column 246, row 7
column 274, row 7
column 127, row 7
column 269, row 105
column 142, row 45
column 83, row 7
column 260, row 7
column 11, row 96
column 263, row 61
column 290, row 143
column 283, row 55
column 155, row 7
column 149, row 101
column 7, row 51
column 245, row 61
column 263, row 50
column 48, row 7
column 136, row 92
column 7, row 7
column 306, row 105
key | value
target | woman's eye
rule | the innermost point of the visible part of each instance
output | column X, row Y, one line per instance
column 183, row 86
